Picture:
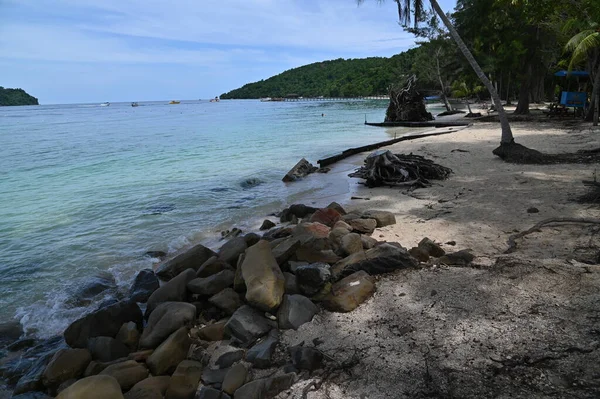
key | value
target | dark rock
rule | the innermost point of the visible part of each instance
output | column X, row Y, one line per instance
column 337, row 207
column 143, row 286
column 251, row 239
column 532, row 210
column 156, row 385
column 140, row 356
column 350, row 292
column 184, row 380
column 279, row 232
column 306, row 358
column 300, row 170
column 191, row 258
column 103, row 322
column 265, row 388
column 214, row 331
column 210, row 393
column 167, row 318
column 231, row 233
column 383, row 218
column 344, row 266
column 10, row 332
column 96, row 367
column 285, row 249
column 95, row 387
column 21, row 344
column 291, row 284
column 143, row 393
column 155, row 254
column 211, row 285
column 260, row 354
column 32, row 395
column 384, row 258
column 227, row 300
column 106, row 349
column 228, row 358
column 326, row 216
column 170, row 353
column 235, row 378
column 129, row 335
column 264, row 280
column 451, row 243
column 298, row 210
column 65, row 385
column 419, row 254
column 66, row 364
column 27, row 368
column 32, row 379
column 127, row 373
column 173, row 291
column 92, row 287
column 460, row 258
column 267, row 224
column 311, row 278
column 363, row 226
column 247, row 324
column 431, row 248
column 214, row 376
column 232, row 249
column 212, row 266
column 294, row 311
column 350, row 244
column 367, row 242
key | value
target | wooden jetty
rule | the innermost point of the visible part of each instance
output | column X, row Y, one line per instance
column 302, row 99
column 417, row 124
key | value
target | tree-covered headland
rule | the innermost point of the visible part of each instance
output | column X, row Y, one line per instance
column 16, row 97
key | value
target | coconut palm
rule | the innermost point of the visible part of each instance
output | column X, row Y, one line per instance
column 581, row 45
column 414, row 8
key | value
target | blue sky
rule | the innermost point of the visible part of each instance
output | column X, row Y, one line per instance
column 69, row 51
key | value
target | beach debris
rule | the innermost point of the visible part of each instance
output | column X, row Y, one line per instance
column 382, row 168
column 407, row 104
column 300, row 170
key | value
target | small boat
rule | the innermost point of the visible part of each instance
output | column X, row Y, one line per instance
column 266, row 99
column 134, row 104
column 106, row 104
column 175, row 102
column 215, row 100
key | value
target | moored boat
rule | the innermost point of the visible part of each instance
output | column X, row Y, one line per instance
column 215, row 100
column 134, row 104
column 106, row 104
column 174, row 102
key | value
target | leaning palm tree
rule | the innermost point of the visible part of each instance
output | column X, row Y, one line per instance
column 408, row 8
column 581, row 45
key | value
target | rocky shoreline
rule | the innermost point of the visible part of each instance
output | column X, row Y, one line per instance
column 212, row 328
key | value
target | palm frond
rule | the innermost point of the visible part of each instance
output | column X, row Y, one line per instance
column 578, row 38
column 583, row 48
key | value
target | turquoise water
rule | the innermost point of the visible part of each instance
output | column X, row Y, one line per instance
column 86, row 188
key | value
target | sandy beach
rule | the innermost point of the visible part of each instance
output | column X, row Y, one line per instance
column 518, row 325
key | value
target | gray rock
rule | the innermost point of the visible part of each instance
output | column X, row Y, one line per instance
column 129, row 335
column 170, row 353
column 143, row 393
column 211, row 285
column 267, row 224
column 306, row 358
column 247, row 324
column 291, row 284
column 210, row 393
column 96, row 367
column 459, row 258
column 307, row 254
column 212, row 266
column 95, row 387
column 227, row 300
column 143, row 286
column 251, row 239
column 344, row 266
column 265, row 388
column 235, row 378
column 363, row 226
column 351, row 243
column 384, row 258
column 260, row 354
column 127, row 373
column 106, row 349
column 156, row 386
column 298, row 210
column 431, row 248
column 232, row 249
column 66, row 364
column 214, row 376
column 311, row 278
column 337, row 207
column 294, row 311
column 184, row 380
column 367, row 241
column 166, row 318
column 228, row 358
column 103, row 322
column 173, row 291
column 32, row 395
column 264, row 280
column 285, row 249
column 191, row 258
column 32, row 379
column 300, row 170
column 92, row 287
column 383, row 218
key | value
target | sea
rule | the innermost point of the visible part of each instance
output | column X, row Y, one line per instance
column 88, row 190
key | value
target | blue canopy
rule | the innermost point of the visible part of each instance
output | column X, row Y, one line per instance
column 572, row 73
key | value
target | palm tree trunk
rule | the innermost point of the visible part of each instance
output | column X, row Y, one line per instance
column 595, row 103
column 507, row 136
column 439, row 75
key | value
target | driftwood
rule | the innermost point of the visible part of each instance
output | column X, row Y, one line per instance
column 382, row 168
column 512, row 245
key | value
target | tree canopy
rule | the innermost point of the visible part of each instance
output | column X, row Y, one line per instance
column 16, row 97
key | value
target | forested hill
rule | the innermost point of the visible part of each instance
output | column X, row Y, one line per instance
column 16, row 97
column 336, row 78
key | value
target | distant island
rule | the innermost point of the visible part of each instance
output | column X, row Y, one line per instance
column 336, row 78
column 16, row 97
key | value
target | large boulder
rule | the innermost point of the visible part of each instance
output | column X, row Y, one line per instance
column 166, row 318
column 214, row 331
column 349, row 292
column 232, row 249
column 431, row 248
column 191, row 258
column 170, row 353
column 212, row 266
column 344, row 266
column 184, row 380
column 260, row 354
column 103, row 322
column 264, row 280
column 91, row 287
column 129, row 335
column 10, row 332
column 326, row 216
column 106, row 349
column 66, row 364
column 143, row 286
column 247, row 324
column 152, row 385
column 384, row 258
column 211, row 393
column 31, row 380
column 173, row 291
column 227, row 300
column 265, row 388
column 95, row 387
column 294, row 311
column 32, row 395
column 363, row 226
column 297, row 210
column 351, row 243
column 127, row 373
column 291, row 284
column 311, row 278
column 235, row 378
column 285, row 249
column 211, row 285
column 383, row 218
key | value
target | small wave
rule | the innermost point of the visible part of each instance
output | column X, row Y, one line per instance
column 159, row 209
column 219, row 189
column 251, row 182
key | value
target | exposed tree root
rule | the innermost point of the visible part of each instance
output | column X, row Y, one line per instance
column 512, row 245
column 517, row 153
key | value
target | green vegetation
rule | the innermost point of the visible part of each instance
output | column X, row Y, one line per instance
column 16, row 97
